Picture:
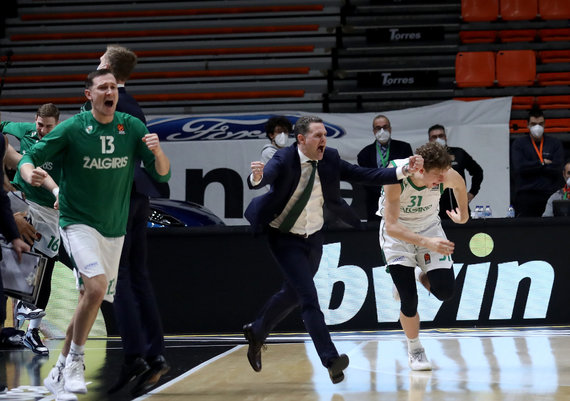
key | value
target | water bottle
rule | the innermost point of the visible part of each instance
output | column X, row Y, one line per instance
column 479, row 211
column 488, row 212
column 473, row 213
column 511, row 211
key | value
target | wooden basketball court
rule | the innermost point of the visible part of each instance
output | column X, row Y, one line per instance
column 479, row 364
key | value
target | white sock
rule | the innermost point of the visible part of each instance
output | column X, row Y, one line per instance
column 414, row 344
column 60, row 361
column 34, row 323
column 76, row 351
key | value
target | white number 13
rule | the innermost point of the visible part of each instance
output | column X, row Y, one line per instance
column 107, row 144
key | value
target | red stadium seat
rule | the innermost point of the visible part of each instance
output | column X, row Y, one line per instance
column 554, row 9
column 479, row 10
column 512, row 10
column 554, row 56
column 516, row 67
column 518, row 35
column 554, row 35
column 475, row 69
column 522, row 102
column 478, row 36
column 553, row 78
column 553, row 102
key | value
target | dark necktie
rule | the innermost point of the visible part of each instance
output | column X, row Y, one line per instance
column 298, row 207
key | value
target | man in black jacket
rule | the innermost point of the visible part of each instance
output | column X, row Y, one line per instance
column 379, row 154
column 460, row 161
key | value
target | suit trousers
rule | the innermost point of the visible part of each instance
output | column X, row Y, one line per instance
column 298, row 259
column 135, row 307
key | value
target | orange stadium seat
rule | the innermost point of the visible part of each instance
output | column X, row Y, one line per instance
column 516, row 67
column 475, row 69
column 553, row 78
column 522, row 102
column 479, row 10
column 518, row 35
column 554, row 56
column 554, row 9
column 553, row 102
column 554, row 35
column 511, row 10
column 478, row 36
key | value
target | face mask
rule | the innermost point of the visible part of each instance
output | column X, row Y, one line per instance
column 441, row 141
column 382, row 136
column 281, row 139
column 568, row 181
column 536, row 131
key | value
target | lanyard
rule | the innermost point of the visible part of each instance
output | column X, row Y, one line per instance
column 565, row 192
column 538, row 152
column 386, row 158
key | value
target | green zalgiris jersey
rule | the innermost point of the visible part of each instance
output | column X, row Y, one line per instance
column 26, row 133
column 97, row 168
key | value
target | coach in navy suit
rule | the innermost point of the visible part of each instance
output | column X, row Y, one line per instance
column 296, row 242
column 378, row 154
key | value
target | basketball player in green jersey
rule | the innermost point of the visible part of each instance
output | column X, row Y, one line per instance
column 98, row 149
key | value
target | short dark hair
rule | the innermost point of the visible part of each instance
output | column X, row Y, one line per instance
column 95, row 74
column 48, row 110
column 303, row 123
column 122, row 61
column 436, row 126
column 535, row 112
column 277, row 121
column 435, row 156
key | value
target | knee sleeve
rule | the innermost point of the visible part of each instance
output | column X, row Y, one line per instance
column 405, row 282
column 442, row 283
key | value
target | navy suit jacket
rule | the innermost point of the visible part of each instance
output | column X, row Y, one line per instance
column 283, row 171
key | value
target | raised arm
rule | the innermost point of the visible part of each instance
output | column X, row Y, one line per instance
column 454, row 181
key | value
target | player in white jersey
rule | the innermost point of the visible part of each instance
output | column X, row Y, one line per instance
column 411, row 235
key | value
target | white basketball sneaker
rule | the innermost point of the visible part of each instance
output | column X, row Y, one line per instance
column 417, row 360
column 54, row 383
column 73, row 375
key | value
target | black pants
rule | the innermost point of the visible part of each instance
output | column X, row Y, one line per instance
column 298, row 259
column 135, row 307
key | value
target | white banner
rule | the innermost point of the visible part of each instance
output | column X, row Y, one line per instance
column 210, row 155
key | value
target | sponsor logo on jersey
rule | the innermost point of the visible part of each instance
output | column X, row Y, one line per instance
column 121, row 129
column 427, row 258
column 216, row 128
column 89, row 129
column 105, row 163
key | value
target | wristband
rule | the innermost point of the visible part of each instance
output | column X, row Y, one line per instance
column 55, row 191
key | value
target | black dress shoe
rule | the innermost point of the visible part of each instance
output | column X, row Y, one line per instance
column 336, row 367
column 158, row 367
column 129, row 372
column 254, row 350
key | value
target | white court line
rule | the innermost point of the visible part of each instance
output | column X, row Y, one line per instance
column 185, row 375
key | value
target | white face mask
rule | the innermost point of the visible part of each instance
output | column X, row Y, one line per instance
column 568, row 181
column 536, row 131
column 281, row 139
column 441, row 141
column 382, row 136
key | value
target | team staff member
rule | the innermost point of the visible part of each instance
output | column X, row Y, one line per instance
column 304, row 177
column 379, row 154
column 98, row 150
column 461, row 161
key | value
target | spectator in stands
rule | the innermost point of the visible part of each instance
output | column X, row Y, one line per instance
column 561, row 194
column 41, row 208
column 536, row 160
column 135, row 306
column 460, row 161
column 277, row 130
column 379, row 154
column 99, row 150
